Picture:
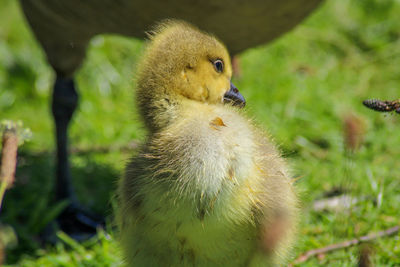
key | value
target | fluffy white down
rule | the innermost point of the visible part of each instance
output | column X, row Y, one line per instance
column 191, row 213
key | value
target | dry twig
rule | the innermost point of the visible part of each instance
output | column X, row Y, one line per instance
column 315, row 252
column 132, row 146
column 105, row 149
column 8, row 161
column 13, row 135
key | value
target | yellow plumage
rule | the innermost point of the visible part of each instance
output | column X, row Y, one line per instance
column 207, row 188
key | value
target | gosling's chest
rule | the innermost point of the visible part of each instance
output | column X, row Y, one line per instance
column 192, row 237
column 198, row 206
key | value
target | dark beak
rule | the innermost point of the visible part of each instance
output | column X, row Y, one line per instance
column 234, row 97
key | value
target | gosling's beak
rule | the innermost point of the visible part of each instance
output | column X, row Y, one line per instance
column 234, row 97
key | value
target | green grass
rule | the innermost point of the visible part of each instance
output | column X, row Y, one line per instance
column 300, row 87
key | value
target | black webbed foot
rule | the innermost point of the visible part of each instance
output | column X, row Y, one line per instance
column 79, row 223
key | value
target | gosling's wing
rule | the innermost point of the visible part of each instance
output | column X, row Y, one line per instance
column 277, row 206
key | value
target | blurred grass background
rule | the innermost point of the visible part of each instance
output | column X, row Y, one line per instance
column 302, row 88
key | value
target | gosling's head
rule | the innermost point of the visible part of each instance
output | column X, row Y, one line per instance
column 181, row 62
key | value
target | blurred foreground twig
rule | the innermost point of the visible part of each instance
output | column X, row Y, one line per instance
column 8, row 161
column 12, row 134
column 315, row 252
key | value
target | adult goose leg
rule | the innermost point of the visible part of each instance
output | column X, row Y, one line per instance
column 65, row 48
column 74, row 220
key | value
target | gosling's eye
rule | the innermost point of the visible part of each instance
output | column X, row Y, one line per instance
column 218, row 65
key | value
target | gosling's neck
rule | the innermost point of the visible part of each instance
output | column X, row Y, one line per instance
column 159, row 107
column 162, row 107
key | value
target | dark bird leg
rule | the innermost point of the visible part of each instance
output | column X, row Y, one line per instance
column 74, row 220
column 64, row 103
column 65, row 46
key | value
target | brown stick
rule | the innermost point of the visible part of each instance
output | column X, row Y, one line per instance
column 132, row 146
column 8, row 161
column 9, row 157
column 314, row 252
column 105, row 149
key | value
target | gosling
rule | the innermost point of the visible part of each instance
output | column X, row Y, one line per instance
column 207, row 188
